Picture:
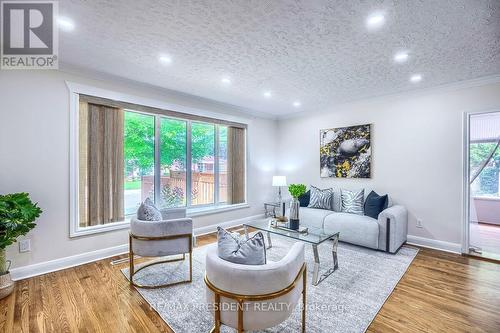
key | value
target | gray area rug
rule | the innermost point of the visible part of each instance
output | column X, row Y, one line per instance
column 347, row 301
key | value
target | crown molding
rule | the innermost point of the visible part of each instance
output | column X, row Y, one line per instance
column 110, row 78
column 447, row 87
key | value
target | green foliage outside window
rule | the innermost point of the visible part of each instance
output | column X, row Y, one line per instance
column 139, row 142
column 489, row 177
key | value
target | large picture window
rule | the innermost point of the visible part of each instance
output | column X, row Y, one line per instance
column 127, row 154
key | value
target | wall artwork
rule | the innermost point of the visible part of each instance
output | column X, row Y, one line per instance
column 345, row 152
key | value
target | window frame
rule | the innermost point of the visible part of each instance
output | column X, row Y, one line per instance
column 76, row 89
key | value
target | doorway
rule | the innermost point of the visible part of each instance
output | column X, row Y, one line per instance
column 482, row 185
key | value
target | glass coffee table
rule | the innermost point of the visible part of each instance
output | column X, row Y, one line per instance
column 314, row 236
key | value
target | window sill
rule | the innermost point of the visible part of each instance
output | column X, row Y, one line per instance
column 486, row 198
column 191, row 212
column 200, row 211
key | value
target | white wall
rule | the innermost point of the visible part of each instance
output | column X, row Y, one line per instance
column 34, row 157
column 417, row 151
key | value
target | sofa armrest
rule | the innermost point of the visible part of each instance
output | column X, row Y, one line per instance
column 393, row 228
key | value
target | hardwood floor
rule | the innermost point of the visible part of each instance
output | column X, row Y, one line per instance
column 441, row 292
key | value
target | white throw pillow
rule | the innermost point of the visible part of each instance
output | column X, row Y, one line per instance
column 352, row 201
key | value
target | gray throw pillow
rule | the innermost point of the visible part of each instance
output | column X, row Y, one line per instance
column 322, row 199
column 352, row 201
column 233, row 248
column 148, row 212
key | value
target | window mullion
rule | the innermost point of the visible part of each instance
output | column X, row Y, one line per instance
column 157, row 162
column 189, row 161
column 216, row 166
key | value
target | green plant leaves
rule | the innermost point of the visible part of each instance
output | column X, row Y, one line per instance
column 17, row 216
column 296, row 190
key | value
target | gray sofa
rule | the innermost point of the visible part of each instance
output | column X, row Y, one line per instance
column 387, row 233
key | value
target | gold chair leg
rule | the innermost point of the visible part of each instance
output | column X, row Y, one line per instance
column 240, row 316
column 217, row 314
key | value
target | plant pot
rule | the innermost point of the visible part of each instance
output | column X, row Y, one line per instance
column 6, row 285
column 294, row 214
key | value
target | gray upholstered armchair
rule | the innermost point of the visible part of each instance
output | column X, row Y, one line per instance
column 171, row 236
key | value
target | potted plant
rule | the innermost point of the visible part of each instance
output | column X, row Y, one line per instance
column 296, row 190
column 17, row 216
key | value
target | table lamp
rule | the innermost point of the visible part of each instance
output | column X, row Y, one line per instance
column 279, row 181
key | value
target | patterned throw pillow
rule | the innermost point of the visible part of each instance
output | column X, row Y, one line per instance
column 322, row 199
column 148, row 212
column 233, row 248
column 352, row 201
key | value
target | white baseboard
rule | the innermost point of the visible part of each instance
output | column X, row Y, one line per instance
column 45, row 267
column 435, row 244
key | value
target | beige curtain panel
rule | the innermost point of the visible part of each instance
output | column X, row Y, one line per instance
column 236, row 156
column 101, row 164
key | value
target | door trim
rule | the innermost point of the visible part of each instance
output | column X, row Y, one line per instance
column 466, row 177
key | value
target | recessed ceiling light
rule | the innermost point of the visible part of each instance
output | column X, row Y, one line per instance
column 415, row 78
column 65, row 24
column 267, row 94
column 297, row 104
column 226, row 80
column 375, row 21
column 165, row 59
column 401, row 56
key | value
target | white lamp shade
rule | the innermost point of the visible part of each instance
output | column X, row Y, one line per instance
column 279, row 181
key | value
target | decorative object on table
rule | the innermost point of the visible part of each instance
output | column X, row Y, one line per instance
column 352, row 201
column 173, row 235
column 296, row 190
column 322, row 199
column 241, row 250
column 345, row 152
column 375, row 204
column 17, row 216
column 285, row 227
column 280, row 181
column 282, row 219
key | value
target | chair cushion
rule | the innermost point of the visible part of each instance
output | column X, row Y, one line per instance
column 352, row 201
column 374, row 204
column 322, row 199
column 239, row 250
column 148, row 212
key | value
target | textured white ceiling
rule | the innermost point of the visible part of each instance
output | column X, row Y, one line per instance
column 318, row 52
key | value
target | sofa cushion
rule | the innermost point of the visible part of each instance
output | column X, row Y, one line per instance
column 375, row 204
column 352, row 201
column 322, row 199
column 356, row 229
column 313, row 217
column 305, row 198
column 231, row 247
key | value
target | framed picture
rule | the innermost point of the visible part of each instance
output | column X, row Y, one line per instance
column 345, row 152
